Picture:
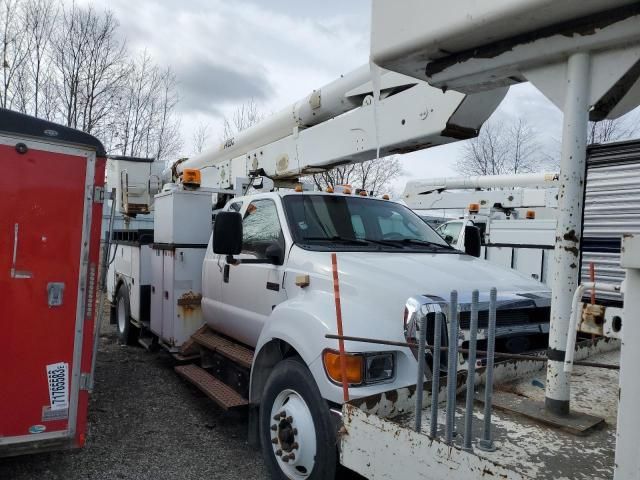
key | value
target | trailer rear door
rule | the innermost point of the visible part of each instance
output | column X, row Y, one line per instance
column 45, row 220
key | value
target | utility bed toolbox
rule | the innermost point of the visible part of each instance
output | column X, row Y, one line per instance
column 51, row 178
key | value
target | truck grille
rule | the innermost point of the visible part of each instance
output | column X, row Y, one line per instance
column 517, row 316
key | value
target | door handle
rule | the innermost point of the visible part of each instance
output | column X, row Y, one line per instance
column 15, row 273
column 225, row 275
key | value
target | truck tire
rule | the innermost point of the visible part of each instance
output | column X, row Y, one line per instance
column 127, row 333
column 297, row 435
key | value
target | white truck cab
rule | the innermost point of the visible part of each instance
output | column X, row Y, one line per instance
column 267, row 283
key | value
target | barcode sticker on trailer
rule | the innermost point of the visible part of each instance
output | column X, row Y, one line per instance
column 58, row 377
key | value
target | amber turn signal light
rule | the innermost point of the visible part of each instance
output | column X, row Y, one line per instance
column 354, row 367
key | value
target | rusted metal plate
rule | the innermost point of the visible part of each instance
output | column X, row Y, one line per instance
column 577, row 423
column 213, row 388
column 233, row 351
column 190, row 299
column 379, row 448
column 592, row 320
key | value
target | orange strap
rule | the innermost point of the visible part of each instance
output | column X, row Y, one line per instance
column 336, row 295
column 592, row 277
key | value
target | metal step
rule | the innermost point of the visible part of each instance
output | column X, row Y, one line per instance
column 233, row 351
column 213, row 388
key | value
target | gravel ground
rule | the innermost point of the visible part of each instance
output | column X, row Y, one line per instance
column 146, row 423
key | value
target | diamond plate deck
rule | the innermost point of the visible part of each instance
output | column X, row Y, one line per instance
column 213, row 388
column 233, row 351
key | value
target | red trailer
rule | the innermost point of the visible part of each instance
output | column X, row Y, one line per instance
column 51, row 190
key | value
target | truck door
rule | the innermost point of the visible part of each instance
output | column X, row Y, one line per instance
column 251, row 291
column 214, row 271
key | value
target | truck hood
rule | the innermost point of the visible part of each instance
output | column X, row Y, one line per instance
column 432, row 274
column 374, row 286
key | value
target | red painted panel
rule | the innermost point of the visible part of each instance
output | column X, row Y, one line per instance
column 43, row 193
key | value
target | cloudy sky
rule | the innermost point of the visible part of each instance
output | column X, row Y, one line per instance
column 226, row 52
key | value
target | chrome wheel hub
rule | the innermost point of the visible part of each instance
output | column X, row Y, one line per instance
column 293, row 434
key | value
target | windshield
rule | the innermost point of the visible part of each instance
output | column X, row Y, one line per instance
column 355, row 223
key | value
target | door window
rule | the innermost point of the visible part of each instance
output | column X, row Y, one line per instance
column 450, row 231
column 261, row 228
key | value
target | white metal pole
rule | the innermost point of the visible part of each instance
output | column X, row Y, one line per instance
column 627, row 448
column 569, row 229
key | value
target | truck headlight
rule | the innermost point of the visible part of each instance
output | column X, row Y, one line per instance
column 379, row 367
column 361, row 368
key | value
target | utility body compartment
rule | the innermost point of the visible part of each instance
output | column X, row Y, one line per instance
column 181, row 217
column 176, row 293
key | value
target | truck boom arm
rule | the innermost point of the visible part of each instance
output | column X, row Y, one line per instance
column 340, row 124
column 436, row 193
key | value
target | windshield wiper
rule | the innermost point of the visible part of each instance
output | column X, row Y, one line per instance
column 337, row 238
column 354, row 241
column 417, row 241
column 386, row 243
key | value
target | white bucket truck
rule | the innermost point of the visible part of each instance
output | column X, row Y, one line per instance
column 284, row 268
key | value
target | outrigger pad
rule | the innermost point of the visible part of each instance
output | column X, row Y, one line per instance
column 576, row 423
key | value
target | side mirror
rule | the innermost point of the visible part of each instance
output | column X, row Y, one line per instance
column 227, row 233
column 472, row 241
column 275, row 254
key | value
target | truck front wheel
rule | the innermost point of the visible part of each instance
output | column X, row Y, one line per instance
column 298, row 441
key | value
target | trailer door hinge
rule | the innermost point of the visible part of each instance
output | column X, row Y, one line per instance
column 86, row 381
column 98, row 194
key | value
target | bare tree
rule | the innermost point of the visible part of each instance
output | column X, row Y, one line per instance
column 373, row 176
column 145, row 123
column 14, row 52
column 69, row 54
column 522, row 147
column 40, row 20
column 606, row 131
column 167, row 140
column 103, row 71
column 501, row 149
column 343, row 175
column 201, row 137
column 136, row 100
column 88, row 56
column 243, row 117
